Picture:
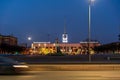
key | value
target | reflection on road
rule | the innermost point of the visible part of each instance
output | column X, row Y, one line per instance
column 65, row 75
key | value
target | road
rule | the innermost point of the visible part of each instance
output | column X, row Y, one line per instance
column 65, row 75
column 40, row 59
column 68, row 72
column 77, row 59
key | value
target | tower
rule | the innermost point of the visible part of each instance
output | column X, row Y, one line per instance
column 65, row 35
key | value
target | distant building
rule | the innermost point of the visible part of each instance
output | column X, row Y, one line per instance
column 9, row 45
column 10, row 40
column 66, row 48
column 113, row 47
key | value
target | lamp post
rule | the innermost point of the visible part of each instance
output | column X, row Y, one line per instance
column 89, row 28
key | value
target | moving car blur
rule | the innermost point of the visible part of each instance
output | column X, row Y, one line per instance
column 10, row 66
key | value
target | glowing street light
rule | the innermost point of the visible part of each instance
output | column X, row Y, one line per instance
column 89, row 28
column 29, row 38
column 92, row 0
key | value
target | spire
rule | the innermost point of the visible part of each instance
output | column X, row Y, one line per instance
column 64, row 25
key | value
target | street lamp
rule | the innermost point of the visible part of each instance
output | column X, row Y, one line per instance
column 29, row 38
column 89, row 28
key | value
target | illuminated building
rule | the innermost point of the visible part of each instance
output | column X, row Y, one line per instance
column 66, row 48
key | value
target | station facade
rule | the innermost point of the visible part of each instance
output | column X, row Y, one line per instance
column 66, row 48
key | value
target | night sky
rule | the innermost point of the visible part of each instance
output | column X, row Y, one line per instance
column 43, row 20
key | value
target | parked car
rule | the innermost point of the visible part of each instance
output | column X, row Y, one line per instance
column 10, row 66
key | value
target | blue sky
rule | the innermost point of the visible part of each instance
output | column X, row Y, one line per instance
column 38, row 18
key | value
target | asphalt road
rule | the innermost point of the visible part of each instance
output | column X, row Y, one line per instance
column 68, row 72
column 65, row 75
column 39, row 59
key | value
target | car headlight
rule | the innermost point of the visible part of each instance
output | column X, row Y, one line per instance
column 20, row 66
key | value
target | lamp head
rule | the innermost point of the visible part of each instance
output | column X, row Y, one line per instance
column 29, row 38
column 91, row 1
